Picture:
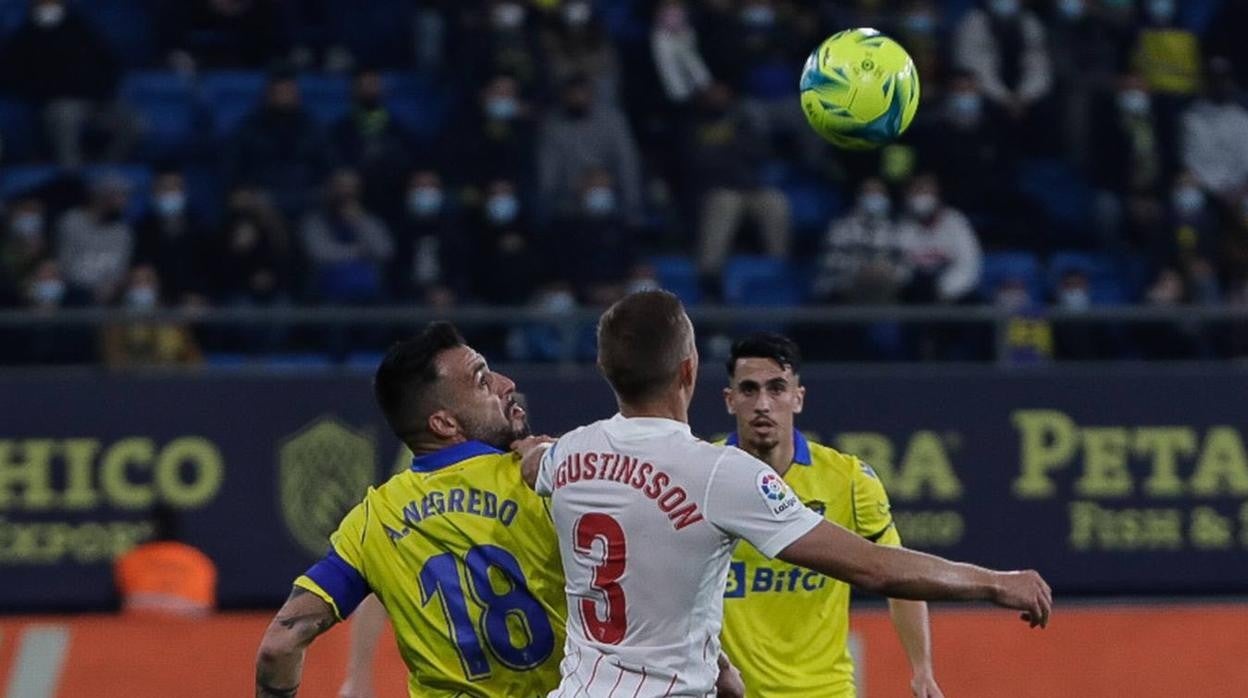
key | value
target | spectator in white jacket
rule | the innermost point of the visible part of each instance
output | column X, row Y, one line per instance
column 674, row 46
column 1215, row 135
column 1005, row 46
column 940, row 246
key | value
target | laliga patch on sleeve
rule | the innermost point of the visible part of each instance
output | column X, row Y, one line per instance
column 776, row 494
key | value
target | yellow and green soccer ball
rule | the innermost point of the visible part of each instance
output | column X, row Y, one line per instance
column 860, row 89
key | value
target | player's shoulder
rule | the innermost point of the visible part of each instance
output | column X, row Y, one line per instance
column 827, row 458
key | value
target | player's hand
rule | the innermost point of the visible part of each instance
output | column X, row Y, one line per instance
column 1025, row 591
column 526, row 445
column 729, row 684
column 352, row 690
column 924, row 686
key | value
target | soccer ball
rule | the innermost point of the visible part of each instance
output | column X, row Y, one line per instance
column 859, row 89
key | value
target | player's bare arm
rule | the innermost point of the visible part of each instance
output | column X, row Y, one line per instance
column 910, row 619
column 531, row 450
column 279, row 663
column 906, row 574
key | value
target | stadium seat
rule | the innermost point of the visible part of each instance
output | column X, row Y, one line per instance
column 1107, row 279
column 229, row 96
column 20, row 130
column 127, row 27
column 1061, row 193
column 18, row 179
column 679, row 275
column 1000, row 267
column 12, row 14
column 295, row 362
column 326, row 97
column 417, row 104
column 165, row 103
column 377, row 32
column 364, row 360
column 139, row 177
column 751, row 280
column 813, row 203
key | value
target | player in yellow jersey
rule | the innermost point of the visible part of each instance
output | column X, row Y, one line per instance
column 459, row 551
column 810, row 658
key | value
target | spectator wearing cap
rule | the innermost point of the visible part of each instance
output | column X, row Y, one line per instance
column 280, row 149
column 95, row 243
column 59, row 63
column 578, row 137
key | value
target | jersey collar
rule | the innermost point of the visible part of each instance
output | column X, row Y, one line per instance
column 451, row 455
column 801, row 447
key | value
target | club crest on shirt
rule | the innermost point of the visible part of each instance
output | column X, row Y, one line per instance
column 775, row 492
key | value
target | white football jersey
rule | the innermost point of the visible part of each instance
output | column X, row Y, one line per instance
column 647, row 517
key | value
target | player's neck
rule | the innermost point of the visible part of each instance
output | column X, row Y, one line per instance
column 672, row 408
column 425, row 446
column 779, row 458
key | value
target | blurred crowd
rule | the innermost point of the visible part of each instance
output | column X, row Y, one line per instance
column 1065, row 152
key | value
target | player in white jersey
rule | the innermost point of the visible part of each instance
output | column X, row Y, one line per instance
column 647, row 517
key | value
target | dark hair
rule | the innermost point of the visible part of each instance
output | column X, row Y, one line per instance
column 765, row 345
column 404, row 380
column 641, row 341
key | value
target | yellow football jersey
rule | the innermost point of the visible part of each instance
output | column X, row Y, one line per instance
column 810, row 656
column 465, row 559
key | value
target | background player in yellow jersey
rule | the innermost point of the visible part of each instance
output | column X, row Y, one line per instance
column 810, row 658
column 460, row 552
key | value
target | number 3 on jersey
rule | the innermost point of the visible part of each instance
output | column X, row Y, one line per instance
column 440, row 575
column 608, row 627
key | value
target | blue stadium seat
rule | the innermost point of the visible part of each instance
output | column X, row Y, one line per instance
column 1061, row 192
column 229, row 96
column 1107, row 278
column 417, row 104
column 766, row 281
column 127, row 27
column 813, row 203
column 295, row 362
column 679, row 275
column 165, row 102
column 1000, row 267
column 18, row 179
column 226, row 360
column 139, row 177
column 364, row 360
column 12, row 14
column 326, row 97
column 20, row 129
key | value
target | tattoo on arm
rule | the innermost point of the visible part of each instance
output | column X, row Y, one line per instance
column 305, row 626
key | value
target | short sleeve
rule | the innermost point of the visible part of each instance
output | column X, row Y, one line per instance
column 337, row 577
column 873, row 516
column 545, row 484
column 747, row 499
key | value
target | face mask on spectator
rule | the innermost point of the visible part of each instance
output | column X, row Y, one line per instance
column 576, row 14
column 141, row 298
column 966, row 107
column 1189, row 199
column 28, row 225
column 48, row 16
column 508, row 15
column 170, row 203
column 1075, row 299
column 924, row 204
column 758, row 16
column 1004, row 8
column 1162, row 11
column 1070, row 9
column 875, row 204
column 424, row 201
column 599, row 201
column 48, row 292
column 557, row 302
column 501, row 108
column 1133, row 102
column 919, row 23
column 502, row 209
